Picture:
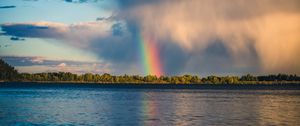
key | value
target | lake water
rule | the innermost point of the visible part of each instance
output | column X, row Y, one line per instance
column 73, row 105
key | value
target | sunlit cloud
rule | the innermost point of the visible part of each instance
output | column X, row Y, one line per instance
column 62, row 65
column 37, row 60
column 263, row 30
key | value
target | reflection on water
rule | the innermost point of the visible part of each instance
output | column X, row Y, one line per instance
column 96, row 106
column 279, row 110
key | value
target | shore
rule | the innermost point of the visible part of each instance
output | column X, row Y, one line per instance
column 291, row 86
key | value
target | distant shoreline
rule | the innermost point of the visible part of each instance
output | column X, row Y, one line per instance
column 163, row 83
column 293, row 86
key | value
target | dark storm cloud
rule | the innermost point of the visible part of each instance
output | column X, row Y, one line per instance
column 120, row 47
column 115, row 49
column 29, row 30
column 214, row 59
column 217, row 59
column 173, row 58
column 6, row 7
column 133, row 3
column 117, row 29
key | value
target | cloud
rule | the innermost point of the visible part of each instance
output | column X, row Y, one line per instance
column 38, row 60
column 81, row 1
column 43, row 64
column 62, row 65
column 109, row 39
column 7, row 7
column 266, row 31
column 195, row 36
column 34, row 30
column 16, row 39
column 117, row 29
column 125, row 4
column 78, row 35
column 78, row 69
column 72, row 1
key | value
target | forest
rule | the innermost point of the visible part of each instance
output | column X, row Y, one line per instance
column 9, row 74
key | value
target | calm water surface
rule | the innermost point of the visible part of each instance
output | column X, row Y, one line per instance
column 97, row 106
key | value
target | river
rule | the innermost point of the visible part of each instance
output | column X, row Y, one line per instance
column 89, row 105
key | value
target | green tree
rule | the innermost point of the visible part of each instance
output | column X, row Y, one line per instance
column 7, row 72
column 248, row 77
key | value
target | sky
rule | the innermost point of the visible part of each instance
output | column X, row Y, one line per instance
column 157, row 37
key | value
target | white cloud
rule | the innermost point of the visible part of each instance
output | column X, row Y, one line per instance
column 39, row 60
column 73, row 68
column 62, row 65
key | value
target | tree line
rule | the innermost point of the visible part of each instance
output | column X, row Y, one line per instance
column 8, row 73
column 185, row 79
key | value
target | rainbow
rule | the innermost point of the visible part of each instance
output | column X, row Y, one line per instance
column 149, row 56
